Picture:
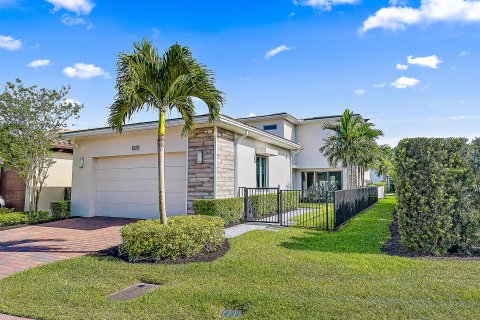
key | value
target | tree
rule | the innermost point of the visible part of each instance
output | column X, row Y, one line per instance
column 353, row 144
column 149, row 81
column 31, row 121
column 383, row 164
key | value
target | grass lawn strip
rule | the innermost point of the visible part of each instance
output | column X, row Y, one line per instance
column 291, row 274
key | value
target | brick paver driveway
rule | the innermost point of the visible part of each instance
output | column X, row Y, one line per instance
column 28, row 247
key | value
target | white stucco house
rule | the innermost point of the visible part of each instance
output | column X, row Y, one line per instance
column 116, row 174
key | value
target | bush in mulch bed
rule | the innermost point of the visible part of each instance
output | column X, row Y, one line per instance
column 185, row 237
column 393, row 246
column 203, row 256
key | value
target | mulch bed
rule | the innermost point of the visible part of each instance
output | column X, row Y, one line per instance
column 393, row 247
column 202, row 257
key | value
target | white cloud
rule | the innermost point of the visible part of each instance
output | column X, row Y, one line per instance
column 360, row 92
column 429, row 11
column 404, row 83
column 379, row 85
column 77, row 6
column 324, row 4
column 400, row 66
column 85, row 71
column 272, row 53
column 38, row 63
column 464, row 53
column 250, row 115
column 398, row 3
column 428, row 62
column 10, row 43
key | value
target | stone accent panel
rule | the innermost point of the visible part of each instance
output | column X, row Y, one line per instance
column 201, row 184
column 225, row 183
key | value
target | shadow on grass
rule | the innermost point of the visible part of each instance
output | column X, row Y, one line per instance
column 363, row 234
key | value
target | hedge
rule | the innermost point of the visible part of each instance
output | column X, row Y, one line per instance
column 38, row 217
column 183, row 237
column 434, row 186
column 60, row 209
column 12, row 218
column 266, row 204
column 229, row 209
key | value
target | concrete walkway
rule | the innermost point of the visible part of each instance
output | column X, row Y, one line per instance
column 240, row 229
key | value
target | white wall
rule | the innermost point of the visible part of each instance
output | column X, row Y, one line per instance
column 90, row 148
column 59, row 177
column 284, row 129
column 278, row 165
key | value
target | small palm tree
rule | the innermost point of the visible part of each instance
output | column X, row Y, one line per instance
column 149, row 81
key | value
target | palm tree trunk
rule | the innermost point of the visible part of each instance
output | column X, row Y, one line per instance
column 161, row 169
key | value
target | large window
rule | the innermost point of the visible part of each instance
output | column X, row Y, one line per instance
column 262, row 175
column 313, row 179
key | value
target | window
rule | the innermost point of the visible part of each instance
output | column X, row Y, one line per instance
column 261, row 163
column 270, row 127
column 312, row 180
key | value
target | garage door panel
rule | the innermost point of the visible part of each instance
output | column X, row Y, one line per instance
column 149, row 160
column 175, row 173
column 131, row 185
column 128, row 186
column 127, row 174
column 128, row 197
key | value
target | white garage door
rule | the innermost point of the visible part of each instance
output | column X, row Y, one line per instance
column 128, row 186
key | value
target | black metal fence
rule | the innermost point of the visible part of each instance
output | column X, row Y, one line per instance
column 318, row 209
column 349, row 203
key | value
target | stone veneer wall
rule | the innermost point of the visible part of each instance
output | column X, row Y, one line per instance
column 225, row 183
column 200, row 176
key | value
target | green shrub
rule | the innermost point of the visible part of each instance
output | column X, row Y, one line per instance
column 434, row 186
column 60, row 209
column 183, row 237
column 6, row 210
column 39, row 217
column 12, row 218
column 266, row 204
column 230, row 209
column 379, row 184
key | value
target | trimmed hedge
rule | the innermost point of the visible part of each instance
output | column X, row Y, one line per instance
column 434, row 186
column 229, row 209
column 183, row 237
column 38, row 217
column 60, row 209
column 266, row 204
column 12, row 218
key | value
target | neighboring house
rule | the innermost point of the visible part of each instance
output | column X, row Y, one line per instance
column 116, row 174
column 57, row 184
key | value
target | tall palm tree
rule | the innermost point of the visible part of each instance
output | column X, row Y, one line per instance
column 340, row 147
column 353, row 144
column 147, row 80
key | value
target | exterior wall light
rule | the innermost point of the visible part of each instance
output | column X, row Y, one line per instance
column 199, row 157
column 82, row 162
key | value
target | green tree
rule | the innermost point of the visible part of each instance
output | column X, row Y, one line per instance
column 147, row 80
column 383, row 164
column 31, row 121
column 353, row 144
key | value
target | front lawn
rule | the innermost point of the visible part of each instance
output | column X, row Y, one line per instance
column 290, row 274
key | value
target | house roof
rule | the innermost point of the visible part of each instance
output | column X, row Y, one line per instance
column 289, row 117
column 222, row 121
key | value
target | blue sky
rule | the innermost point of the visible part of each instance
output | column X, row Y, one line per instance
column 411, row 66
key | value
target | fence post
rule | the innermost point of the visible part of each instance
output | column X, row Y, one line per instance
column 326, row 203
column 334, row 210
column 279, row 201
column 245, row 203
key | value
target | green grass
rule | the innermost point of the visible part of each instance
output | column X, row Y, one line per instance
column 315, row 218
column 291, row 274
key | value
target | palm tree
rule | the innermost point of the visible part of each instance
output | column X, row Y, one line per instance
column 164, row 83
column 340, row 147
column 352, row 144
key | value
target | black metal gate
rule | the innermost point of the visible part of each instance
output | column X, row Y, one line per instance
column 300, row 208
